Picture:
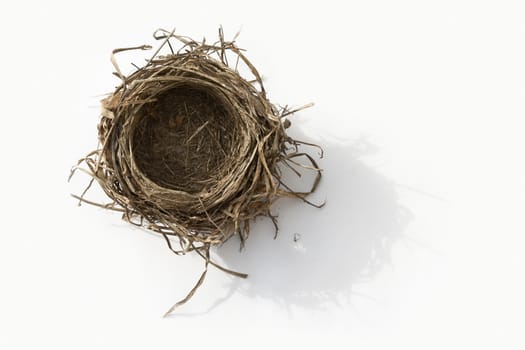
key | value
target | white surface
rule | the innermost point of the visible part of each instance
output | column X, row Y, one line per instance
column 420, row 108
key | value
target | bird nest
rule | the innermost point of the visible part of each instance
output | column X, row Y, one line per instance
column 191, row 149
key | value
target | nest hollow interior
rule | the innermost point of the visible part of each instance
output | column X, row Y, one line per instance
column 182, row 141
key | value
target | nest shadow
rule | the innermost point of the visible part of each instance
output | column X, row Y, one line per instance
column 320, row 257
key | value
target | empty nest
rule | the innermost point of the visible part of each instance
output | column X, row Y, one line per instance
column 191, row 149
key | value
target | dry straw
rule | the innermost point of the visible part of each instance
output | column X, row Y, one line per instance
column 192, row 150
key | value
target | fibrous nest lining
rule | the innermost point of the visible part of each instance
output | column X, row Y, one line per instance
column 191, row 149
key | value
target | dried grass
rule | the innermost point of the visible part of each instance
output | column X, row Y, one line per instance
column 190, row 149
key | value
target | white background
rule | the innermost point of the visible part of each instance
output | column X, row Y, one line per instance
column 419, row 106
